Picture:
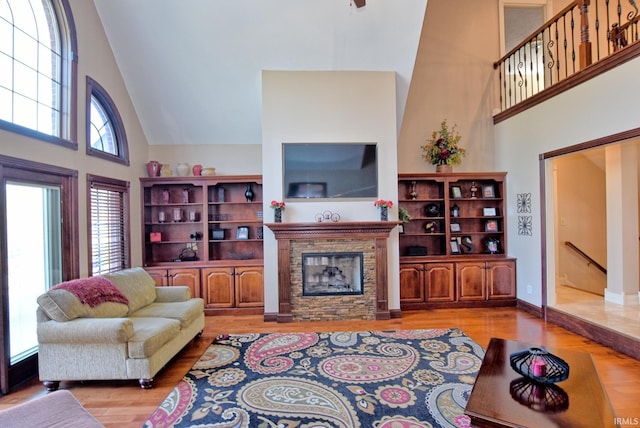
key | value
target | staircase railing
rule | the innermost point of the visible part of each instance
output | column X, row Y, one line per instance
column 586, row 257
column 583, row 33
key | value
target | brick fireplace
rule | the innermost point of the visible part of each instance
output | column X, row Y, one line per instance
column 298, row 239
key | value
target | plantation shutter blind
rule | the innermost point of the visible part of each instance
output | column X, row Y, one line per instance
column 109, row 226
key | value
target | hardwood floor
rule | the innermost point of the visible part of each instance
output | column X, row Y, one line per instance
column 124, row 404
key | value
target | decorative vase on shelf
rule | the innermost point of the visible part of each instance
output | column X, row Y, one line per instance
column 197, row 170
column 277, row 215
column 183, row 169
column 384, row 213
column 153, row 168
column 444, row 168
column 165, row 171
column 249, row 193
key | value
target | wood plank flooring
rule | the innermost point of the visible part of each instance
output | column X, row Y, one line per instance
column 124, row 404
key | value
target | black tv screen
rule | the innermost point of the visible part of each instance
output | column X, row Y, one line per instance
column 330, row 170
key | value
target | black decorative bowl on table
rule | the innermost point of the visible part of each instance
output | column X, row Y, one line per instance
column 539, row 365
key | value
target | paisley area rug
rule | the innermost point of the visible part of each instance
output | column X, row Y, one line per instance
column 382, row 379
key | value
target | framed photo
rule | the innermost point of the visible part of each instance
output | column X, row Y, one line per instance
column 492, row 245
column 456, row 192
column 455, row 227
column 488, row 212
column 488, row 191
column 491, row 226
column 455, row 247
column 243, row 232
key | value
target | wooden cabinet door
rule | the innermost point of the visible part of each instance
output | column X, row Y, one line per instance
column 472, row 282
column 158, row 275
column 412, row 283
column 217, row 287
column 501, row 278
column 249, row 286
column 188, row 277
column 440, row 282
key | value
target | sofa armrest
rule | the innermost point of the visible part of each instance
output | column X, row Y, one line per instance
column 174, row 293
column 86, row 330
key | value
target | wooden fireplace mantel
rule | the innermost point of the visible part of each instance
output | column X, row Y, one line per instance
column 285, row 233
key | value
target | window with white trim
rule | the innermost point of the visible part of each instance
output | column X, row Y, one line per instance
column 106, row 137
column 108, row 216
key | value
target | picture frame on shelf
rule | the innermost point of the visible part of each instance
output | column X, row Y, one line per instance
column 492, row 246
column 491, row 226
column 455, row 247
column 456, row 192
column 243, row 233
column 455, row 227
column 488, row 191
column 489, row 212
column 216, row 234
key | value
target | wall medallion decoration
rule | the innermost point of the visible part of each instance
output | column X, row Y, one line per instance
column 524, row 202
column 525, row 225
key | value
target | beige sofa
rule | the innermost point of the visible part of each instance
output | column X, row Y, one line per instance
column 115, row 326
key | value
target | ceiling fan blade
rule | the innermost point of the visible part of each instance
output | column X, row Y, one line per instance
column 360, row 3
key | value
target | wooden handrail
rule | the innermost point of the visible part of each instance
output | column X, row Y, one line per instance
column 562, row 48
column 533, row 35
column 584, row 255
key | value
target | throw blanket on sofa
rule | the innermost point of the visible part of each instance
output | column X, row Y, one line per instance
column 93, row 291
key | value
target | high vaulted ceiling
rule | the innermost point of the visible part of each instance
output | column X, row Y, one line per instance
column 193, row 67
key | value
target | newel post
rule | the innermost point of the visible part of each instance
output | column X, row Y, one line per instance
column 585, row 44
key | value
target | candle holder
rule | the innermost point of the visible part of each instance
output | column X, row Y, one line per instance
column 539, row 365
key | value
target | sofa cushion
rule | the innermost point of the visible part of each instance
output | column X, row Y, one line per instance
column 186, row 312
column 150, row 334
column 136, row 284
column 94, row 297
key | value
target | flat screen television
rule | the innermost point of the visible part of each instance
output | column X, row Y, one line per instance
column 330, row 170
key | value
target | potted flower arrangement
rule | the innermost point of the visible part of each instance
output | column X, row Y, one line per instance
column 442, row 148
column 278, row 207
column 384, row 208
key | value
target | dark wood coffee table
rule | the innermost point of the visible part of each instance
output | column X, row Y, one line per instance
column 503, row 398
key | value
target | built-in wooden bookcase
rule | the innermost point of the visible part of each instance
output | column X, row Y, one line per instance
column 206, row 232
column 453, row 251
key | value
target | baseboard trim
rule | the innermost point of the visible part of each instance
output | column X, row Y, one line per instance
column 395, row 313
column 270, row 317
column 529, row 308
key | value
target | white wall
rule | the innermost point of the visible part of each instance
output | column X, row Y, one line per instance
column 594, row 109
column 336, row 107
column 227, row 159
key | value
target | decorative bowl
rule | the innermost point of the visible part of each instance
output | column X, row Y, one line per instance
column 208, row 171
column 539, row 365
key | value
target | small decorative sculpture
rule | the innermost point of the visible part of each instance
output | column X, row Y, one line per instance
column 473, row 189
column 413, row 194
column 248, row 194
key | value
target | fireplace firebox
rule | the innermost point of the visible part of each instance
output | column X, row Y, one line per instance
column 326, row 274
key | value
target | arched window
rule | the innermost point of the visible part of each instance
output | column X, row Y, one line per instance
column 106, row 137
column 38, row 70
